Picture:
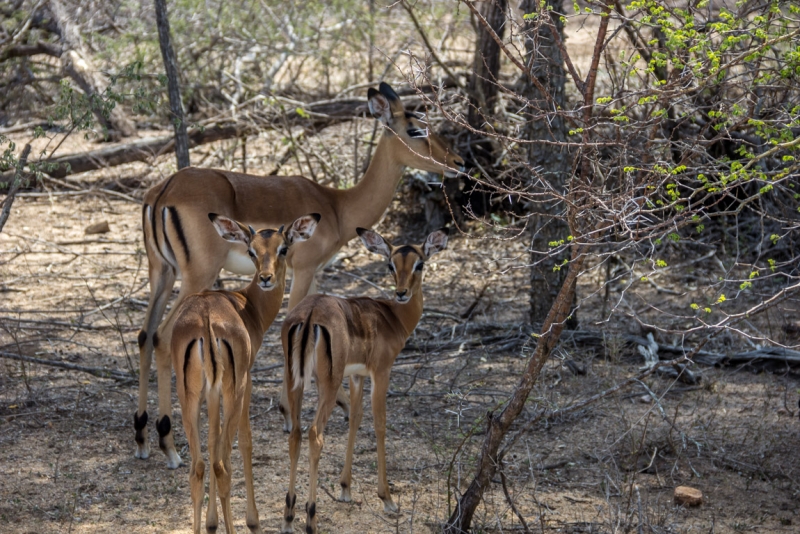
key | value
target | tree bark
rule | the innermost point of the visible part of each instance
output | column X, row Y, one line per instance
column 14, row 186
column 552, row 163
column 78, row 66
column 140, row 150
column 173, row 84
column 483, row 84
column 577, row 187
column 461, row 519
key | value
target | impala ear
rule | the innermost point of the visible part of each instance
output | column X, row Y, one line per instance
column 231, row 230
column 302, row 228
column 384, row 104
column 379, row 106
column 387, row 91
column 436, row 242
column 374, row 242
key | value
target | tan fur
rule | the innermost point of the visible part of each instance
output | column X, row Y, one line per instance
column 363, row 333
column 206, row 325
column 261, row 201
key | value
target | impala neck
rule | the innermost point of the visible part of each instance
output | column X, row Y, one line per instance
column 262, row 306
column 409, row 313
column 363, row 204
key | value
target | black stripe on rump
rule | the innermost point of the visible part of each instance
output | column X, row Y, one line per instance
column 230, row 357
column 186, row 357
column 176, row 221
column 289, row 353
column 303, row 344
column 328, row 348
column 213, row 359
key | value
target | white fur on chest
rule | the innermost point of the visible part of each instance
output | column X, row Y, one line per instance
column 239, row 262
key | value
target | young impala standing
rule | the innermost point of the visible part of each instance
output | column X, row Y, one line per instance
column 214, row 344
column 333, row 338
column 180, row 242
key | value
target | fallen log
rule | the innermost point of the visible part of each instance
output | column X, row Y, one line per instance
column 313, row 116
column 141, row 150
column 758, row 357
column 96, row 371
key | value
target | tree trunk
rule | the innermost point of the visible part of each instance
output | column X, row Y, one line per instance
column 15, row 185
column 552, row 163
column 483, row 83
column 77, row 64
column 173, row 85
column 461, row 519
column 488, row 463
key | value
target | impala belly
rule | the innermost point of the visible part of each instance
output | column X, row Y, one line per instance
column 355, row 369
column 239, row 262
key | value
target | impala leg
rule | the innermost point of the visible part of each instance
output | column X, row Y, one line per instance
column 161, row 281
column 315, row 444
column 190, row 405
column 246, row 448
column 214, row 431
column 164, row 425
column 294, row 403
column 221, row 463
column 356, row 411
column 380, row 386
column 166, row 442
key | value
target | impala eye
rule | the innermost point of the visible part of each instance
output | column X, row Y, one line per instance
column 251, row 253
column 283, row 251
column 419, row 266
column 417, row 133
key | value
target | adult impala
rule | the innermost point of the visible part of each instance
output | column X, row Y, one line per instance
column 179, row 240
column 215, row 339
column 333, row 338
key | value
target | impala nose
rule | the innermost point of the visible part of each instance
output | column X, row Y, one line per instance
column 266, row 281
column 402, row 294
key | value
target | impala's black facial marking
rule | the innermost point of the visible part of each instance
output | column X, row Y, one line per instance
column 405, row 250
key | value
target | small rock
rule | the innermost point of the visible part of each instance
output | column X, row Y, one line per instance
column 645, row 399
column 686, row 496
column 97, row 228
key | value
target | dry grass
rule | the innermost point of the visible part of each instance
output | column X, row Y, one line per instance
column 66, row 440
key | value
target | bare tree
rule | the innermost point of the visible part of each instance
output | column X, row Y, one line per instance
column 78, row 65
column 173, row 85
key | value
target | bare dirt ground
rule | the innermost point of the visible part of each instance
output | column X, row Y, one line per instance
column 66, row 436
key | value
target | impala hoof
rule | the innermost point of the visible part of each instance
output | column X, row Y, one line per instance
column 173, row 460
column 390, row 507
column 142, row 451
column 287, row 528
